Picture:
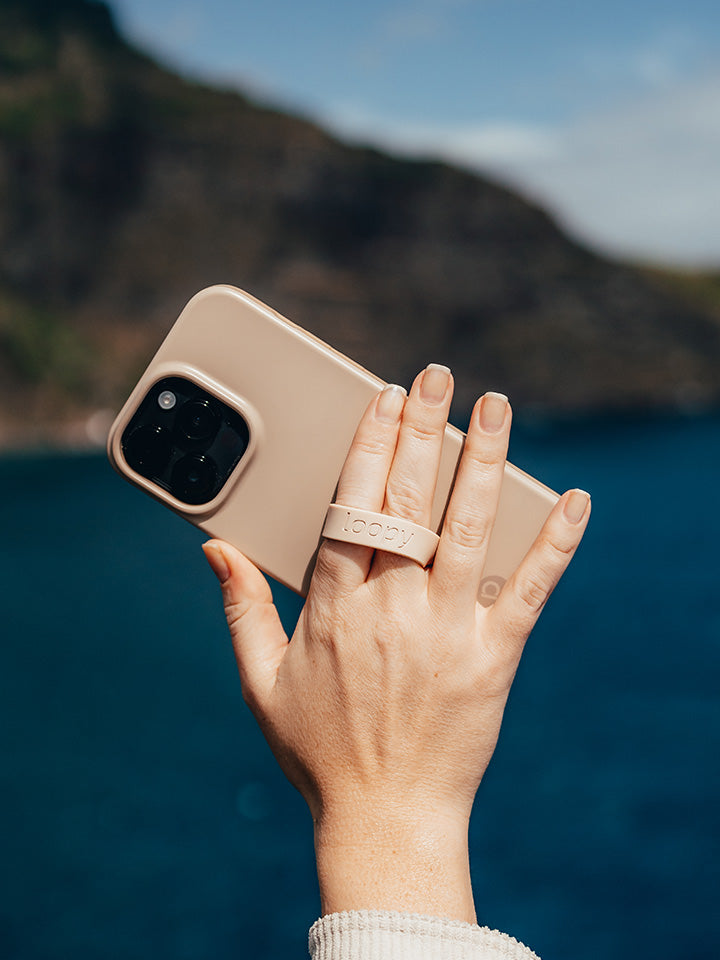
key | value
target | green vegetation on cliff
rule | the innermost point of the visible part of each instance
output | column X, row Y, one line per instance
column 125, row 188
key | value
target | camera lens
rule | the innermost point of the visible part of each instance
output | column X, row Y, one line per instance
column 147, row 450
column 194, row 479
column 198, row 420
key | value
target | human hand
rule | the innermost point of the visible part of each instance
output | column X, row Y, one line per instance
column 385, row 708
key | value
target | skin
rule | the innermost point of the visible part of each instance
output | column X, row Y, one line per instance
column 385, row 709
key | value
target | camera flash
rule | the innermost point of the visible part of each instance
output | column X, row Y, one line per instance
column 167, row 400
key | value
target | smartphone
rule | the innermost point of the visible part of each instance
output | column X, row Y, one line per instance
column 241, row 424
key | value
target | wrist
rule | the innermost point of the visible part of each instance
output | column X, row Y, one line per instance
column 380, row 856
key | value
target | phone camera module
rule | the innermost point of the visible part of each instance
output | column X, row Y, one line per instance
column 148, row 449
column 198, row 420
column 194, row 479
column 185, row 441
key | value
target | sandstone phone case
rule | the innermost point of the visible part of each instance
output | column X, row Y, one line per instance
column 241, row 424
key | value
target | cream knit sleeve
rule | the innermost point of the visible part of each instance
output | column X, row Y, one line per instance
column 382, row 935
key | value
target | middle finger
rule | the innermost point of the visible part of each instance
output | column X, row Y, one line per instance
column 413, row 474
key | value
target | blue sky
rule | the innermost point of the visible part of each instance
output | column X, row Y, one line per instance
column 609, row 114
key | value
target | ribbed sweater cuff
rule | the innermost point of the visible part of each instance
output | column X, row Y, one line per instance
column 383, row 935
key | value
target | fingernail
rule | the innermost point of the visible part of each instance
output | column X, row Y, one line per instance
column 493, row 409
column 217, row 561
column 576, row 505
column 390, row 403
column 434, row 384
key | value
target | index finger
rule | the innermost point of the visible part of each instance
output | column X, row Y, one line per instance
column 362, row 484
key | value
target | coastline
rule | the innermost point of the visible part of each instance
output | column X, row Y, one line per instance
column 80, row 434
column 88, row 434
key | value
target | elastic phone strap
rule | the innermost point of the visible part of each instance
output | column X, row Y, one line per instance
column 381, row 532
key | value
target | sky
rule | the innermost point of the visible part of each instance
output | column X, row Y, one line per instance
column 608, row 114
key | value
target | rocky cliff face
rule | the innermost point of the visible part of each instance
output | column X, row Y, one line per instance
column 125, row 188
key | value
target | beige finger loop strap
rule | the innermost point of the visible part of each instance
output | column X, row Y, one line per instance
column 381, row 532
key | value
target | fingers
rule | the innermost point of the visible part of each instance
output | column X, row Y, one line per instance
column 257, row 635
column 392, row 466
column 362, row 484
column 458, row 567
column 411, row 482
column 522, row 598
column 413, row 474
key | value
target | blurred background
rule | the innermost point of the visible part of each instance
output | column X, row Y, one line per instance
column 525, row 191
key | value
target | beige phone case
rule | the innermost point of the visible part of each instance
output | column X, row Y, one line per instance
column 302, row 401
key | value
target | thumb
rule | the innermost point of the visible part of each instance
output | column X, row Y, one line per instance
column 257, row 635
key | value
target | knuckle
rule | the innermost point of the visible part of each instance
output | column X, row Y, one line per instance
column 465, row 531
column 334, row 566
column 370, row 445
column 555, row 553
column 484, row 474
column 532, row 592
column 423, row 431
column 235, row 613
column 497, row 676
column 559, row 550
column 485, row 457
column 406, row 501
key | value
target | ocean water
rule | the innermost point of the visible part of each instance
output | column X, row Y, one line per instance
column 143, row 816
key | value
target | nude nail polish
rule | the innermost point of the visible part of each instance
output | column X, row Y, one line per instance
column 390, row 403
column 576, row 505
column 434, row 383
column 493, row 409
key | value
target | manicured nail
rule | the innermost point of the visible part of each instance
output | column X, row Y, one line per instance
column 493, row 409
column 434, row 384
column 390, row 403
column 217, row 561
column 576, row 505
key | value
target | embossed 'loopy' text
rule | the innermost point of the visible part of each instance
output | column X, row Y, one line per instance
column 385, row 532
column 381, row 532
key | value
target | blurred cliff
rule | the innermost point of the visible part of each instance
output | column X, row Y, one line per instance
column 124, row 188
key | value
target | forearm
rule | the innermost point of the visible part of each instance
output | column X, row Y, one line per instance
column 374, row 860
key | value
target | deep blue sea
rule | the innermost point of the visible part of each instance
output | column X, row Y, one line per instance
column 144, row 817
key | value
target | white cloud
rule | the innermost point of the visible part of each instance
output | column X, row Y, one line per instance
column 464, row 143
column 642, row 180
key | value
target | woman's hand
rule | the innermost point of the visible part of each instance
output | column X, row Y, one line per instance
column 385, row 709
